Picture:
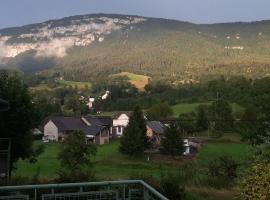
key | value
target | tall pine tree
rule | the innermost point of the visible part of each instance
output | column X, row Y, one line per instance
column 202, row 121
column 134, row 140
column 172, row 142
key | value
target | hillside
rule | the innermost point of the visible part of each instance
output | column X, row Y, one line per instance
column 82, row 48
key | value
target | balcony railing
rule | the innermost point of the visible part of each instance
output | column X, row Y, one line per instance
column 108, row 190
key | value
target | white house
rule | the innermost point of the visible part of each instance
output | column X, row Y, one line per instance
column 120, row 122
column 105, row 96
column 90, row 102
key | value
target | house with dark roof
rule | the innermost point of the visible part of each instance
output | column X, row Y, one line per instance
column 95, row 130
column 155, row 131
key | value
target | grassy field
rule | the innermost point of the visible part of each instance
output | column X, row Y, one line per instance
column 138, row 80
column 62, row 83
column 41, row 87
column 80, row 85
column 191, row 107
column 110, row 164
column 237, row 151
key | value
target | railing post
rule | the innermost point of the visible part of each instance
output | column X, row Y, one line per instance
column 35, row 194
column 145, row 194
column 124, row 192
column 81, row 189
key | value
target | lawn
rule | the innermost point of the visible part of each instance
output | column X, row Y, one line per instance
column 238, row 151
column 185, row 108
column 110, row 164
column 191, row 107
column 80, row 85
column 44, row 86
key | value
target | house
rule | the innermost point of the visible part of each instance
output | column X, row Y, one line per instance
column 57, row 128
column 105, row 121
column 155, row 131
column 120, row 122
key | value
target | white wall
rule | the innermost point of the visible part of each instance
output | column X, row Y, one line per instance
column 119, row 123
column 122, row 120
column 51, row 131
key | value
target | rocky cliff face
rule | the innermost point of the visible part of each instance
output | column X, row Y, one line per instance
column 54, row 38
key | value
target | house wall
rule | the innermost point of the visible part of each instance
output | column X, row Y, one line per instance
column 122, row 120
column 119, row 124
column 51, row 131
column 149, row 132
column 102, row 138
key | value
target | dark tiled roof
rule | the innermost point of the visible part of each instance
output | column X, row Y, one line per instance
column 76, row 124
column 156, row 126
column 100, row 120
column 68, row 123
column 93, row 130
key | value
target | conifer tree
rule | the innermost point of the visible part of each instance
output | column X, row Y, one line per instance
column 172, row 142
column 202, row 121
column 134, row 140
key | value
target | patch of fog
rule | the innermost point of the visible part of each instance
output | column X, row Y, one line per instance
column 2, row 51
column 56, row 47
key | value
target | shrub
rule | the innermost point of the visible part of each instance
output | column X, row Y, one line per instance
column 256, row 185
column 172, row 187
column 221, row 171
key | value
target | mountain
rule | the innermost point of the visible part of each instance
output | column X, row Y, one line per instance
column 86, row 46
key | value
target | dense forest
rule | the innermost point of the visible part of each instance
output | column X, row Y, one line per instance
column 160, row 48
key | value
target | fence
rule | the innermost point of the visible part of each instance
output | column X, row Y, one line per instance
column 108, row 190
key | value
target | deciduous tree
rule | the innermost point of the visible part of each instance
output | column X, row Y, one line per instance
column 76, row 158
column 18, row 121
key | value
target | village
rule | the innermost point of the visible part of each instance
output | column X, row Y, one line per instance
column 134, row 100
column 100, row 130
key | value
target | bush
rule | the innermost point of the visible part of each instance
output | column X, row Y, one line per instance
column 172, row 187
column 221, row 171
column 256, row 185
column 76, row 176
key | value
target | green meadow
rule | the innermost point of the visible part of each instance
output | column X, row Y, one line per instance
column 110, row 164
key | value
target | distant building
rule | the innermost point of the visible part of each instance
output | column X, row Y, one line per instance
column 57, row 128
column 106, row 95
column 120, row 122
column 155, row 131
column 90, row 103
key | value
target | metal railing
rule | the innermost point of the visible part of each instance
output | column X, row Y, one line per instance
column 106, row 190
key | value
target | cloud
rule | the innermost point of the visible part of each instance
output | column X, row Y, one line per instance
column 54, row 48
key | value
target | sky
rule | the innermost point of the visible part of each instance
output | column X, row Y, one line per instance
column 22, row 12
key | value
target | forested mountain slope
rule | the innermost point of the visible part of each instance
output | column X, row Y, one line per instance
column 87, row 46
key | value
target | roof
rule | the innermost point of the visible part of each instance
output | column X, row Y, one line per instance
column 3, row 105
column 156, row 126
column 76, row 124
column 100, row 120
